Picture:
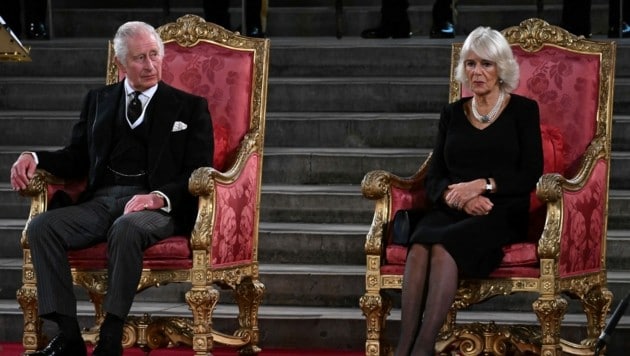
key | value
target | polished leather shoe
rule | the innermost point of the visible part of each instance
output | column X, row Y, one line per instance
column 382, row 32
column 107, row 346
column 446, row 30
column 255, row 31
column 59, row 346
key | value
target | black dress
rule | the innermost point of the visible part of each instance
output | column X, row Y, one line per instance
column 508, row 150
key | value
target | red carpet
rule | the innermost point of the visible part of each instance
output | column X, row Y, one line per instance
column 15, row 349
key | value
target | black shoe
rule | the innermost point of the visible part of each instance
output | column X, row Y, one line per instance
column 59, row 346
column 108, row 346
column 625, row 30
column 382, row 32
column 255, row 31
column 446, row 30
column 37, row 31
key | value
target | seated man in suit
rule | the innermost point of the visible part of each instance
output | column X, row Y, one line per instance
column 137, row 142
column 395, row 21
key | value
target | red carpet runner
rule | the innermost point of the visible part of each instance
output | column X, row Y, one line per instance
column 15, row 349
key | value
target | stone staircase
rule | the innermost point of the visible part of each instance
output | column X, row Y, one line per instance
column 337, row 108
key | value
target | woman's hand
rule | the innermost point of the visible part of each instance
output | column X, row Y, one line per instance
column 457, row 195
column 478, row 205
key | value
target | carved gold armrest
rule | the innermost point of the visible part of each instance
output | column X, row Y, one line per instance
column 378, row 185
column 552, row 188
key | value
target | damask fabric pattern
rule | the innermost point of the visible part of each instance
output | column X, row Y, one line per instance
column 204, row 65
column 233, row 242
column 581, row 242
column 562, row 72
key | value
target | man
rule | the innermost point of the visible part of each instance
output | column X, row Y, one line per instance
column 216, row 11
column 395, row 21
column 137, row 142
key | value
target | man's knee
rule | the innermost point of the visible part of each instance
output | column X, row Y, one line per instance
column 127, row 232
column 36, row 229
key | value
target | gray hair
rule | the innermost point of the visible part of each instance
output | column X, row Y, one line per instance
column 491, row 45
column 131, row 29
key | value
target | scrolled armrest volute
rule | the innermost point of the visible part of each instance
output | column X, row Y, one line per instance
column 549, row 187
column 201, row 181
column 39, row 183
column 375, row 184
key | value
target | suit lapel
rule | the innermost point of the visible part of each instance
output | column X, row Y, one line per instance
column 108, row 106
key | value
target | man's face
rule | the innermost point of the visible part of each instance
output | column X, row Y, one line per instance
column 143, row 67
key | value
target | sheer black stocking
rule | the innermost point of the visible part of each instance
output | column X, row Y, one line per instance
column 418, row 331
column 414, row 281
column 440, row 296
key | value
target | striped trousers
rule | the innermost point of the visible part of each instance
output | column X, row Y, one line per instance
column 54, row 232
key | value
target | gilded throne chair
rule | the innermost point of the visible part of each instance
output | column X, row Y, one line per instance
column 221, row 253
column 564, row 257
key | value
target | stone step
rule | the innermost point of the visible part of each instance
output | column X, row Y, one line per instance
column 282, row 243
column 284, row 129
column 346, row 94
column 321, row 166
column 309, row 285
column 290, row 57
column 316, row 243
column 329, row 328
column 325, row 204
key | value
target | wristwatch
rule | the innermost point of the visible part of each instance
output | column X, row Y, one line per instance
column 488, row 186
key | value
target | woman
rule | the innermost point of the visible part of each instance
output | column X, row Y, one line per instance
column 487, row 159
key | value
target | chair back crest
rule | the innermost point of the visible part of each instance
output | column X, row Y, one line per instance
column 205, row 59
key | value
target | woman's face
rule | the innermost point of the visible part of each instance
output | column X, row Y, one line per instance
column 482, row 74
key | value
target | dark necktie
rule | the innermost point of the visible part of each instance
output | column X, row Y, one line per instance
column 134, row 109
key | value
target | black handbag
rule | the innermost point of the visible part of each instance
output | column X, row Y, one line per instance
column 404, row 223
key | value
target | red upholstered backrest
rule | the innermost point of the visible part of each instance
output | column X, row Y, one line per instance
column 565, row 85
column 223, row 76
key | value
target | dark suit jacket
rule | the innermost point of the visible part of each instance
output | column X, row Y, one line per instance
column 172, row 154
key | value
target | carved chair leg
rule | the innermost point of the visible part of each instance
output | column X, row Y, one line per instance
column 32, row 338
column 596, row 304
column 550, row 312
column 446, row 335
column 202, row 301
column 248, row 295
column 90, row 335
column 376, row 308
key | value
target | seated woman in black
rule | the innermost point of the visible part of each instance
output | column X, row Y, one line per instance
column 487, row 160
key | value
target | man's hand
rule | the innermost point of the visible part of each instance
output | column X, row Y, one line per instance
column 141, row 202
column 22, row 171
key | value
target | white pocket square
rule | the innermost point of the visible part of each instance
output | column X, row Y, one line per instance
column 179, row 126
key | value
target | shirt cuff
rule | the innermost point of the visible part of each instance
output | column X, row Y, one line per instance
column 34, row 155
column 167, row 203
